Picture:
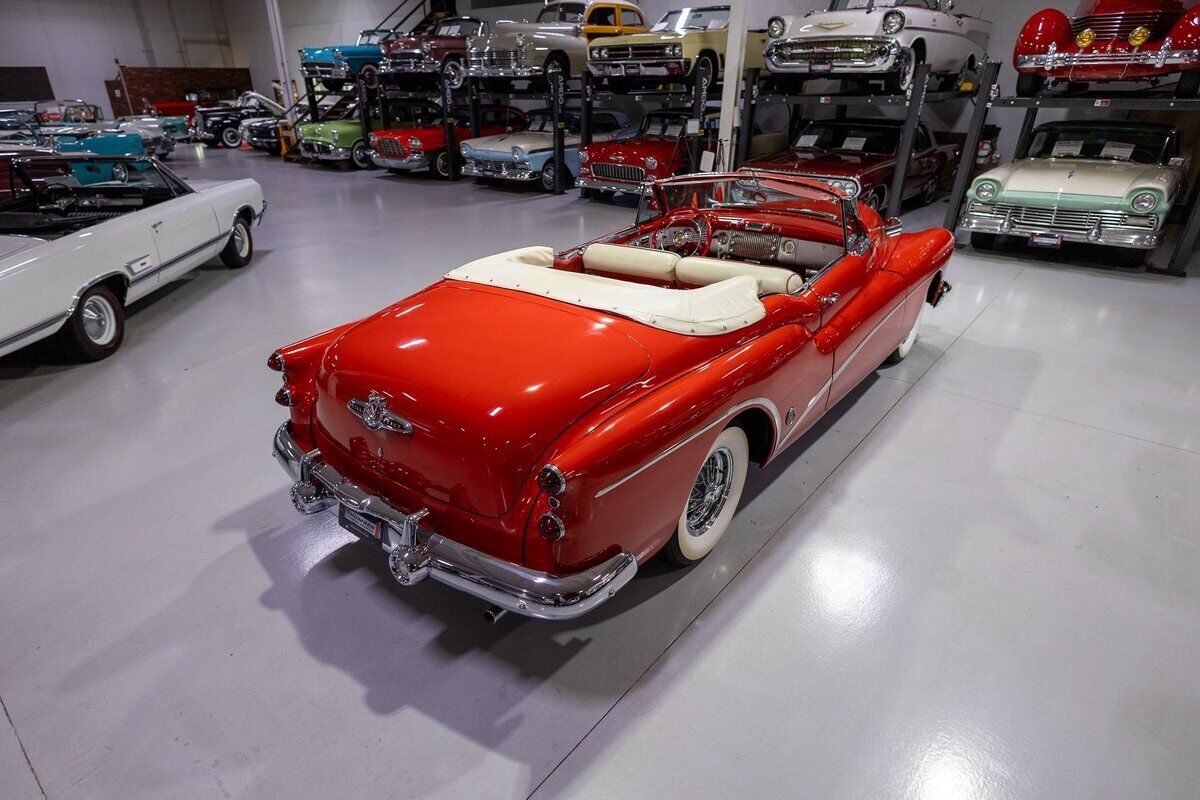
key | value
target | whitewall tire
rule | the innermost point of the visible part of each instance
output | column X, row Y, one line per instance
column 905, row 347
column 713, row 499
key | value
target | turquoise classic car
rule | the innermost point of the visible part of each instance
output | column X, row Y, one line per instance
column 334, row 65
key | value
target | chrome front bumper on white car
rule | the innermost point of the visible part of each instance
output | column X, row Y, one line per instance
column 416, row 552
column 1109, row 228
column 849, row 55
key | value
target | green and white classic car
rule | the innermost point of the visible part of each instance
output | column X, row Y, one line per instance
column 1105, row 183
column 342, row 139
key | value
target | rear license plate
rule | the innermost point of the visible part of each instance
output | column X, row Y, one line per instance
column 820, row 66
column 362, row 526
column 1050, row 240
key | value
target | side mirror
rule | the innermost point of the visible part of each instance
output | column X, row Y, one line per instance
column 893, row 227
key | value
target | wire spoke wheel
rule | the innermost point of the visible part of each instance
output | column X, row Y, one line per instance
column 710, row 491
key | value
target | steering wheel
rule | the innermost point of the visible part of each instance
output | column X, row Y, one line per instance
column 684, row 236
column 58, row 195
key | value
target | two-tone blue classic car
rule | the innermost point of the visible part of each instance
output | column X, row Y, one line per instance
column 528, row 155
column 334, row 65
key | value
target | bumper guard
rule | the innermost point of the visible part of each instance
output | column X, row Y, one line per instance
column 416, row 552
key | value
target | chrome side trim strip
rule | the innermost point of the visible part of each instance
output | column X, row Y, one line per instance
column 757, row 401
column 58, row 319
column 177, row 259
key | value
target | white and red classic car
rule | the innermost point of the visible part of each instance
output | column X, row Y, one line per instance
column 609, row 399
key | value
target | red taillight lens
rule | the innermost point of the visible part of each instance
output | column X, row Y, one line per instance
column 275, row 361
column 551, row 480
column 550, row 527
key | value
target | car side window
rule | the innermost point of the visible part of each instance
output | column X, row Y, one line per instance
column 604, row 123
column 633, row 18
column 603, row 15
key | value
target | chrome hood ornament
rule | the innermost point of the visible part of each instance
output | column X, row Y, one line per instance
column 375, row 414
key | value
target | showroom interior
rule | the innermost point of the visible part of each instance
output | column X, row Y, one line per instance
column 401, row 399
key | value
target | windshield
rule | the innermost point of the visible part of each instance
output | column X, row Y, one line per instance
column 850, row 137
column 744, row 191
column 372, row 37
column 671, row 125
column 1137, row 146
column 694, row 19
column 843, row 5
column 562, row 12
column 541, row 122
column 458, row 27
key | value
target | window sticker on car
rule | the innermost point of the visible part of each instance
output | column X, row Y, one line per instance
column 1118, row 150
column 1066, row 148
column 808, row 140
column 674, row 129
column 854, row 143
column 658, row 26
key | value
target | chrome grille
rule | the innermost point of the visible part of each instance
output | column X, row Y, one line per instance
column 390, row 147
column 322, row 69
column 619, row 172
column 1121, row 26
column 1039, row 218
column 634, row 51
column 748, row 245
column 829, row 50
column 502, row 59
column 401, row 62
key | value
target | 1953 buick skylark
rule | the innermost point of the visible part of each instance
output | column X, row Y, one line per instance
column 537, row 424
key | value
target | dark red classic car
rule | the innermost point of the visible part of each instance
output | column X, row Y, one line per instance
column 608, row 400
column 858, row 156
column 662, row 148
column 1111, row 40
column 407, row 149
column 437, row 52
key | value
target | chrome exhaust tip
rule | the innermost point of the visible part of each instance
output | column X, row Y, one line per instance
column 308, row 498
column 493, row 614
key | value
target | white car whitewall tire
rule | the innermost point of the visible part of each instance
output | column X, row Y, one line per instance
column 713, row 499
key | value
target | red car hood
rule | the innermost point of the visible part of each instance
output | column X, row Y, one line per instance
column 635, row 151
column 809, row 161
column 403, row 44
column 1127, row 6
column 488, row 378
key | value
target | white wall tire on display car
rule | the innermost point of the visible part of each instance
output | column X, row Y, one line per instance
column 713, row 499
column 240, row 248
column 96, row 328
column 231, row 138
column 904, row 348
column 360, row 155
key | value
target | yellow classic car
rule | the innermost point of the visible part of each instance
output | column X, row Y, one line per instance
column 687, row 45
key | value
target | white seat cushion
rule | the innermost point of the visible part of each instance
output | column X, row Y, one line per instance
column 640, row 262
column 699, row 271
column 713, row 310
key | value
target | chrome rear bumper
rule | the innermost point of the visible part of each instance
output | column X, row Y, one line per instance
column 587, row 182
column 416, row 552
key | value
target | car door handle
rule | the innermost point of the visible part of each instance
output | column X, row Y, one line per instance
column 828, row 300
column 156, row 225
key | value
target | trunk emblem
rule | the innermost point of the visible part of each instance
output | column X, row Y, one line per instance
column 375, row 415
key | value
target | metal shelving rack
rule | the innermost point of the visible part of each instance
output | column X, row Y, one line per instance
column 1132, row 101
column 755, row 89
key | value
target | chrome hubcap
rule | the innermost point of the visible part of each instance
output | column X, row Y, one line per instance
column 454, row 75
column 241, row 242
column 710, row 491
column 548, row 178
column 99, row 320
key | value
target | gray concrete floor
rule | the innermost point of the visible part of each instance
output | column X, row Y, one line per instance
column 978, row 577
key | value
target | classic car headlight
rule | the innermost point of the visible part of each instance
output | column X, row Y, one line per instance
column 1145, row 202
column 1140, row 36
column 775, row 27
column 985, row 190
column 334, row 135
column 583, row 156
column 1085, row 37
column 676, row 50
column 651, row 162
column 600, row 52
column 426, row 46
column 414, row 143
column 462, row 148
column 520, row 40
column 374, row 140
column 893, row 22
column 517, row 154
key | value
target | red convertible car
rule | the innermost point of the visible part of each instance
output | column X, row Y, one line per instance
column 533, row 426
column 407, row 149
column 858, row 156
column 1111, row 40
column 439, row 51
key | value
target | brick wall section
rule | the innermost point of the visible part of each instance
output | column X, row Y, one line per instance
column 157, row 84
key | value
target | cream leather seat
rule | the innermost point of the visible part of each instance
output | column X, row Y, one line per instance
column 722, row 307
column 700, row 271
column 639, row 262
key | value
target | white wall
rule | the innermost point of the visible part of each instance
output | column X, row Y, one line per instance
column 78, row 40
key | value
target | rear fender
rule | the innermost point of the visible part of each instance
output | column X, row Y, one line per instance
column 1045, row 28
column 1186, row 33
column 300, row 362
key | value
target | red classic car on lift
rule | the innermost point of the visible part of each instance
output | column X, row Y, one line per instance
column 858, row 157
column 1111, row 40
column 533, row 426
column 407, row 149
column 436, row 52
column 661, row 149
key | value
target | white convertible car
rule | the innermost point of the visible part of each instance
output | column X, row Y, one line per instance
column 880, row 39
column 83, row 236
